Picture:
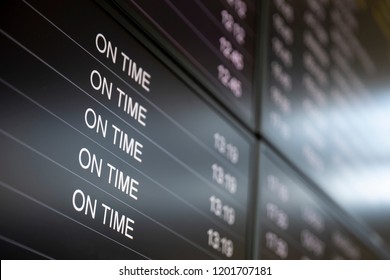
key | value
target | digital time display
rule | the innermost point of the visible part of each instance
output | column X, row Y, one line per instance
column 107, row 152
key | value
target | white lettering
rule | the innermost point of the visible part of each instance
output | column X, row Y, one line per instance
column 133, row 109
column 98, row 83
column 135, row 72
column 104, row 46
column 122, row 182
column 84, row 204
column 127, row 144
column 117, row 222
column 95, row 121
column 88, row 161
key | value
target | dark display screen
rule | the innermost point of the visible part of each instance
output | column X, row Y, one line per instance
column 296, row 222
column 325, row 100
column 225, row 129
column 105, row 151
column 215, row 38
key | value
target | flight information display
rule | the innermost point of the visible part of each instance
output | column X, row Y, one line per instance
column 215, row 41
column 225, row 129
column 295, row 222
column 325, row 99
column 107, row 150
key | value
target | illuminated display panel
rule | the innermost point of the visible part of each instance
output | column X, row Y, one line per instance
column 214, row 40
column 297, row 222
column 325, row 99
column 123, row 136
column 106, row 151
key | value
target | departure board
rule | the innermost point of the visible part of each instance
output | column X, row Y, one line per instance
column 215, row 41
column 225, row 129
column 107, row 149
column 295, row 222
column 325, row 98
